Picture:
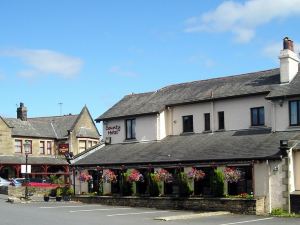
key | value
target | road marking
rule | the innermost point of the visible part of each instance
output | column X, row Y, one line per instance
column 247, row 221
column 66, row 206
column 91, row 210
column 128, row 214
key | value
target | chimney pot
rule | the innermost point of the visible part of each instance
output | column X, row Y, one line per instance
column 22, row 112
column 288, row 44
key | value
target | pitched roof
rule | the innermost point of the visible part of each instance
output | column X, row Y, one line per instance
column 219, row 146
column 261, row 82
column 48, row 127
column 32, row 160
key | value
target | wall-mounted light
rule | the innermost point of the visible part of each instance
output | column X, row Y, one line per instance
column 284, row 143
column 174, row 121
column 275, row 169
column 280, row 101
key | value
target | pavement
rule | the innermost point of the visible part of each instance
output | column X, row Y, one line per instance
column 76, row 213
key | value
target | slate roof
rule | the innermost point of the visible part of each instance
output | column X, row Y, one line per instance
column 55, row 127
column 219, row 146
column 32, row 160
column 261, row 82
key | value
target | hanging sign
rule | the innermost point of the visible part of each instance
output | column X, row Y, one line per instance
column 63, row 148
column 23, row 168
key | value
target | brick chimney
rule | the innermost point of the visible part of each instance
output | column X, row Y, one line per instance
column 22, row 112
column 288, row 61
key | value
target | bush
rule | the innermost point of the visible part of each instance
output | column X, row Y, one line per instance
column 217, row 183
column 184, row 186
column 153, row 186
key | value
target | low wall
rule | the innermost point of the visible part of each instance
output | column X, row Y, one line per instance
column 20, row 191
column 234, row 205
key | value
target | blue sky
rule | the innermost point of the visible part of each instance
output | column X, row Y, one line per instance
column 94, row 52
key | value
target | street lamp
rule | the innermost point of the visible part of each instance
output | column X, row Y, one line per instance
column 27, row 148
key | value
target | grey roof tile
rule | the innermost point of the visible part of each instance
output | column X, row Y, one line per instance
column 229, row 145
column 203, row 90
column 33, row 160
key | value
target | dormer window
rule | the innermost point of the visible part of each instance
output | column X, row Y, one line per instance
column 294, row 113
column 187, row 122
column 258, row 116
column 130, row 129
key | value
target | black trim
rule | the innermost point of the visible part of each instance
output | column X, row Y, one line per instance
column 132, row 130
column 258, row 122
column 221, row 119
column 298, row 113
column 187, row 125
column 206, row 121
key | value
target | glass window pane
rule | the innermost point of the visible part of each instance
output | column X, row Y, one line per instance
column 261, row 116
column 128, row 131
column 293, row 112
column 133, row 128
column 254, row 117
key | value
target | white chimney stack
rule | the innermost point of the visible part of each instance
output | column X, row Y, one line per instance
column 288, row 61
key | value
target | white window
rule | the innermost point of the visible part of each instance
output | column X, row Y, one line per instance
column 42, row 147
column 18, row 146
column 82, row 146
column 49, row 147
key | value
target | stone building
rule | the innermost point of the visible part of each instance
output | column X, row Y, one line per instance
column 48, row 137
column 248, row 122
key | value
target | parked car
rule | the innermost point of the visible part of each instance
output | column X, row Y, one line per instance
column 17, row 182
column 4, row 182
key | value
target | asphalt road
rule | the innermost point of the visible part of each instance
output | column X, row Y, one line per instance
column 72, row 213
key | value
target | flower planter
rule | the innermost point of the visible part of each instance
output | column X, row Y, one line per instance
column 58, row 198
column 46, row 198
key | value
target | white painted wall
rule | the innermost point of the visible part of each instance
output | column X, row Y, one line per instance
column 297, row 170
column 146, row 129
column 236, row 113
column 268, row 183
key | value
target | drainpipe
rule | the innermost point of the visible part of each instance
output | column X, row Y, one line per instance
column 212, row 112
column 273, row 116
column 269, row 186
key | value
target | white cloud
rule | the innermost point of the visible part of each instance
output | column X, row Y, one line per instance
column 45, row 62
column 272, row 50
column 122, row 72
column 242, row 18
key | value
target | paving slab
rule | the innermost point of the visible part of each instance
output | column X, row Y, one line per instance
column 192, row 216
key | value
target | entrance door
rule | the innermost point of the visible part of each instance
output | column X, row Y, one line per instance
column 297, row 171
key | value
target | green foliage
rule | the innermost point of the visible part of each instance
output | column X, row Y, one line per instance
column 59, row 191
column 67, row 191
column 126, row 186
column 154, row 189
column 217, row 183
column 56, row 179
column 185, row 189
column 283, row 213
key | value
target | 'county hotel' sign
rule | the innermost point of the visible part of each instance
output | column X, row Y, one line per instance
column 113, row 130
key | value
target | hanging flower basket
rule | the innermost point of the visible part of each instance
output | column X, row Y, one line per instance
column 163, row 175
column 196, row 174
column 109, row 176
column 85, row 177
column 232, row 175
column 134, row 175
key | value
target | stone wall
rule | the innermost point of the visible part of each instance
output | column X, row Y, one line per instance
column 234, row 205
column 20, row 191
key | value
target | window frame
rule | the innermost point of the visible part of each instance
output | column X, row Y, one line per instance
column 21, row 141
column 79, row 146
column 207, row 125
column 49, row 148
column 132, row 131
column 258, row 116
column 30, row 141
column 43, row 152
column 298, row 113
column 221, row 122
column 188, row 129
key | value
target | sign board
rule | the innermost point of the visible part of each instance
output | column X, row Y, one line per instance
column 23, row 168
column 63, row 148
column 111, row 130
